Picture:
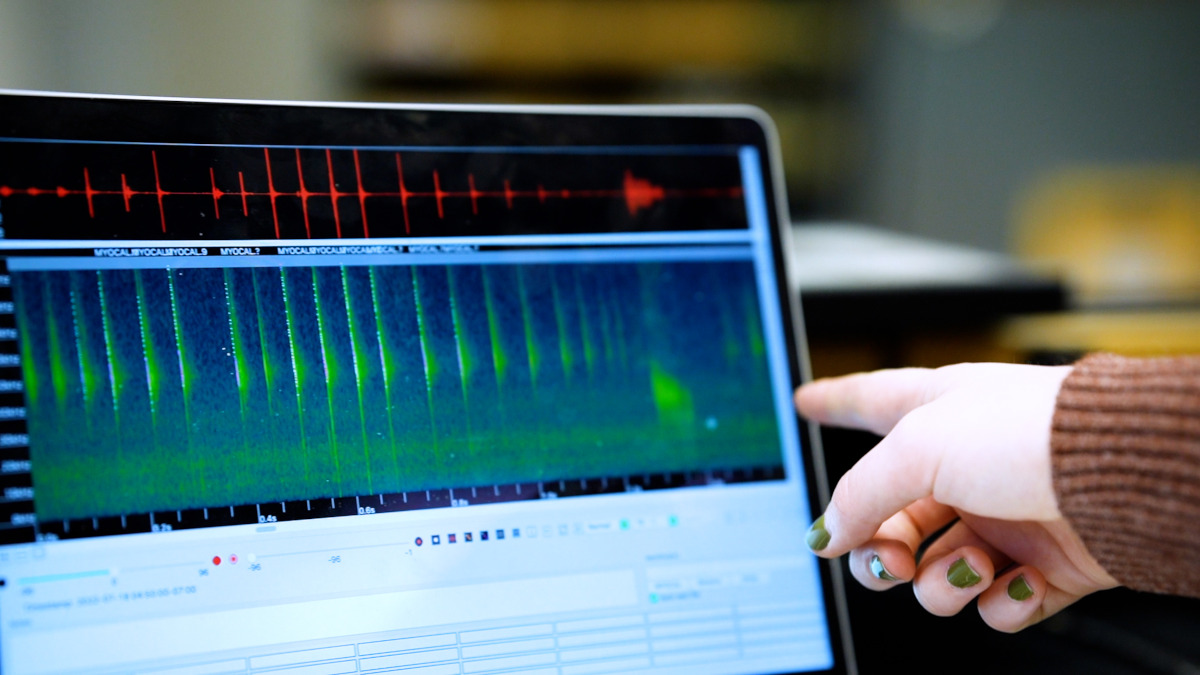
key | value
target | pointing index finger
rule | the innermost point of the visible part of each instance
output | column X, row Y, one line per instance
column 874, row 401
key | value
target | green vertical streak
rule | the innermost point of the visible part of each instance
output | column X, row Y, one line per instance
column 239, row 357
column 530, row 343
column 113, row 376
column 58, row 369
column 183, row 376
column 328, row 363
column 268, row 371
column 32, row 385
column 58, row 375
column 564, row 349
column 499, row 358
column 152, row 374
column 430, row 362
column 291, row 319
column 80, row 330
column 385, row 363
column 589, row 350
column 465, row 364
column 198, row 463
column 27, row 356
column 356, row 348
column 754, row 326
column 150, row 363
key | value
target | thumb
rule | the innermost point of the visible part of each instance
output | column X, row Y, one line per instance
column 898, row 471
column 885, row 480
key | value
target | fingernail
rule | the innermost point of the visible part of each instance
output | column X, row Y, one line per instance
column 880, row 571
column 817, row 537
column 1019, row 589
column 960, row 574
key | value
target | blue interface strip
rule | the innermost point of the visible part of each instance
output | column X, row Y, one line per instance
column 601, row 239
column 47, row 578
column 722, row 253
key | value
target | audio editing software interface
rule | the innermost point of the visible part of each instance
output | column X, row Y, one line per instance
column 319, row 410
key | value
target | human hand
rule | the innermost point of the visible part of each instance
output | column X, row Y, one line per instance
column 969, row 442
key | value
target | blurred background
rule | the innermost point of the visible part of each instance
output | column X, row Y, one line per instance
column 970, row 179
column 1059, row 135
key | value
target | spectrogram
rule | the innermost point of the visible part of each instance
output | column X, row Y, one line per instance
column 155, row 390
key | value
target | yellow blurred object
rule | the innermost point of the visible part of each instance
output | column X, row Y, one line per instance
column 545, row 37
column 1118, row 235
column 1127, row 241
column 1157, row 333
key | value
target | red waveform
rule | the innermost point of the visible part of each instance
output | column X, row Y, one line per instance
column 159, row 191
column 334, row 195
column 273, row 194
column 640, row 194
column 242, row 185
column 216, row 194
column 87, row 188
column 636, row 193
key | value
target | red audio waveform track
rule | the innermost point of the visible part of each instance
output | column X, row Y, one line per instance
column 637, row 193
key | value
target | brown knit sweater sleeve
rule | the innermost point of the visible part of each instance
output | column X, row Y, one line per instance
column 1125, row 447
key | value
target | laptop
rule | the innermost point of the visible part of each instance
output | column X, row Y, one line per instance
column 312, row 389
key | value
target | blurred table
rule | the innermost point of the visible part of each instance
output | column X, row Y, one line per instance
column 874, row 298
column 855, row 277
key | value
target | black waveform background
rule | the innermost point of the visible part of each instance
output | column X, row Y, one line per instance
column 64, row 190
column 156, row 390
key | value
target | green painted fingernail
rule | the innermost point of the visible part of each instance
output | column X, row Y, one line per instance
column 960, row 574
column 880, row 571
column 1019, row 589
column 817, row 537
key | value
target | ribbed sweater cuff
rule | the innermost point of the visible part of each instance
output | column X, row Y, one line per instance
column 1126, row 460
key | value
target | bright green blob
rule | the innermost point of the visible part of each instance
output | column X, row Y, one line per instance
column 671, row 398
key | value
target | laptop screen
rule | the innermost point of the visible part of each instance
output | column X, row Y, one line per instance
column 320, row 390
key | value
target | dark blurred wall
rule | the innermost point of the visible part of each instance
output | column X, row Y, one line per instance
column 968, row 104
column 215, row 48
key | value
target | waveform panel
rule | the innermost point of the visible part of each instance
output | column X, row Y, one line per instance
column 53, row 190
column 157, row 390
